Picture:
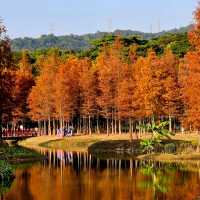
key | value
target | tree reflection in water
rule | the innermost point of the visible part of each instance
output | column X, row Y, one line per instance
column 72, row 175
column 5, row 186
column 158, row 179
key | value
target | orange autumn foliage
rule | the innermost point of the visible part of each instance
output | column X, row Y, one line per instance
column 190, row 78
column 66, row 89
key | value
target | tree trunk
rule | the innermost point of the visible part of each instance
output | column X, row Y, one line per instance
column 89, row 122
column 130, row 125
column 140, row 128
column 131, row 134
column 49, row 126
column 170, row 123
column 98, row 124
column 112, row 125
column 54, row 127
column 45, row 130
column 143, row 125
column 119, row 126
column 39, row 128
column 107, row 125
column 61, row 124
column 77, row 127
column 80, row 124
column 84, row 126
column 115, row 123
column 182, row 128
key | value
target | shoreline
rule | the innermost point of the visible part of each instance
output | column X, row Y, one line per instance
column 83, row 142
column 11, row 157
column 78, row 143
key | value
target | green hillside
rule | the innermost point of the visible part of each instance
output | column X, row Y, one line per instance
column 81, row 42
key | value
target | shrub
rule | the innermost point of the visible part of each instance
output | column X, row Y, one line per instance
column 6, row 171
column 170, row 148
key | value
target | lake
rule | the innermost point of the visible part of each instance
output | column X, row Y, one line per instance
column 80, row 176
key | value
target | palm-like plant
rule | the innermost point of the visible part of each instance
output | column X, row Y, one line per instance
column 159, row 132
column 148, row 145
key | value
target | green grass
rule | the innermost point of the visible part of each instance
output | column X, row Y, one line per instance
column 17, row 154
column 6, row 171
column 6, row 176
column 12, row 157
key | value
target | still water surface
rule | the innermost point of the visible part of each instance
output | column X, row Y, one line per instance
column 79, row 176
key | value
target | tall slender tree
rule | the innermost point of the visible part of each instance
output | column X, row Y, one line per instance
column 44, row 86
column 7, row 76
column 88, row 92
column 170, row 86
column 190, row 77
column 66, row 91
column 23, row 83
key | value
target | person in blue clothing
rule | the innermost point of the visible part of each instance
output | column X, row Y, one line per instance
column 70, row 131
column 65, row 130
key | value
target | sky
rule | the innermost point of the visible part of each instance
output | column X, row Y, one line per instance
column 32, row 18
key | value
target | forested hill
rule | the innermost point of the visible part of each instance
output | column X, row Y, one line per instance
column 79, row 42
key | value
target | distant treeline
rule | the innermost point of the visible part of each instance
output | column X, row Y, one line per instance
column 177, row 42
column 81, row 42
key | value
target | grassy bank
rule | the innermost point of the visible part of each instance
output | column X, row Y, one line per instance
column 35, row 142
column 6, row 176
column 75, row 143
column 6, row 171
column 10, row 158
column 119, row 144
column 16, row 154
column 171, row 157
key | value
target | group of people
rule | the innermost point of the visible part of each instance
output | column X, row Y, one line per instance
column 66, row 131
